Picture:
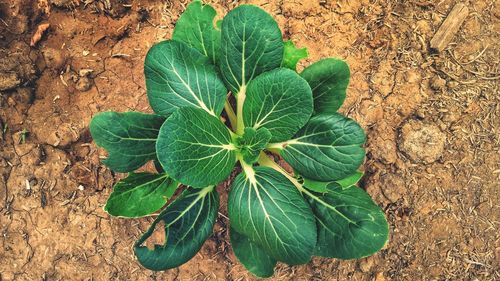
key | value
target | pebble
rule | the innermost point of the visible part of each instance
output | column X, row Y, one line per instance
column 83, row 84
column 85, row 72
column 393, row 187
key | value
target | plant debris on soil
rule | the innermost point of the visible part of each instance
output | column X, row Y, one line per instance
column 432, row 121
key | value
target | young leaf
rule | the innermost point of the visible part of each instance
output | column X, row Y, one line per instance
column 128, row 137
column 328, row 79
column 196, row 28
column 251, row 44
column 189, row 221
column 195, row 148
column 328, row 148
column 280, row 101
column 321, row 186
column 255, row 260
column 316, row 186
column 180, row 76
column 252, row 143
column 292, row 55
column 350, row 180
column 140, row 194
column 264, row 206
column 350, row 224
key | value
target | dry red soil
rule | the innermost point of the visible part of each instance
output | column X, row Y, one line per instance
column 432, row 121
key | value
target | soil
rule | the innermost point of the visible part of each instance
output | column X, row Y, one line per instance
column 432, row 120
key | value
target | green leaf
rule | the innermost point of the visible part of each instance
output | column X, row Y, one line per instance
column 180, row 76
column 196, row 28
column 252, row 143
column 280, row 101
column 328, row 79
column 195, row 148
column 128, row 137
column 292, row 55
column 350, row 224
column 328, row 148
column 255, row 260
column 189, row 221
column 140, row 194
column 316, row 186
column 251, row 44
column 321, row 187
column 350, row 180
column 265, row 206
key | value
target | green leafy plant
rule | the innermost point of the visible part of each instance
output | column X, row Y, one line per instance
column 280, row 114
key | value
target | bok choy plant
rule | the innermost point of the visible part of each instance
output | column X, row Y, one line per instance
column 240, row 72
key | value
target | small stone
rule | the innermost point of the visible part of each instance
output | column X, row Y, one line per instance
column 422, row 143
column 83, row 84
column 85, row 72
column 438, row 83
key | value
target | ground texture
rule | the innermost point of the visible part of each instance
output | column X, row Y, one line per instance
column 432, row 121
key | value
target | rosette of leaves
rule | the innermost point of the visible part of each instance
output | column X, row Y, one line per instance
column 196, row 139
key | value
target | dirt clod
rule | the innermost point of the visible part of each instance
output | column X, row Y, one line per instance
column 16, row 68
column 393, row 187
column 380, row 80
column 422, row 143
column 382, row 145
column 9, row 81
column 54, row 58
